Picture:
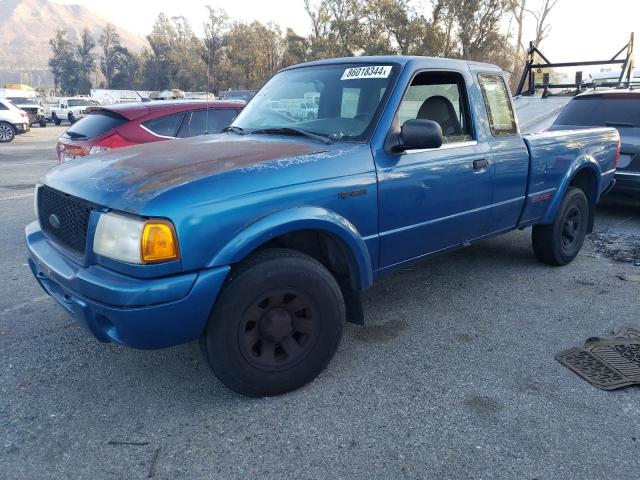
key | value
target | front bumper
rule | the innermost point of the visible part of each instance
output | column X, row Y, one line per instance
column 139, row 313
column 22, row 127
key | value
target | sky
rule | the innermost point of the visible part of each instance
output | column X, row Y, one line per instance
column 580, row 29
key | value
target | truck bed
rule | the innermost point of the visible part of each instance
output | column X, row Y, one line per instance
column 555, row 156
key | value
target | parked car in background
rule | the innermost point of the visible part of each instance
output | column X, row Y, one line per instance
column 71, row 109
column 12, row 121
column 32, row 108
column 116, row 126
column 259, row 241
column 618, row 108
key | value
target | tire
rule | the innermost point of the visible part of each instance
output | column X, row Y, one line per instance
column 72, row 119
column 560, row 242
column 42, row 123
column 7, row 132
column 276, row 324
column 55, row 119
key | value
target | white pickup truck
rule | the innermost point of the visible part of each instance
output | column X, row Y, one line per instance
column 71, row 109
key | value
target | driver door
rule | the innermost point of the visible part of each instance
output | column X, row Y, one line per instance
column 434, row 199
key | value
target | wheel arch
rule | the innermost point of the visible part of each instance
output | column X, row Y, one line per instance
column 584, row 174
column 318, row 232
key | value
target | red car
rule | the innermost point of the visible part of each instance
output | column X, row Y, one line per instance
column 117, row 126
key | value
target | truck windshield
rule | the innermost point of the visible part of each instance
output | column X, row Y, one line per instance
column 602, row 110
column 339, row 102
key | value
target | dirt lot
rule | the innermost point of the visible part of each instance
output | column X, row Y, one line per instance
column 452, row 377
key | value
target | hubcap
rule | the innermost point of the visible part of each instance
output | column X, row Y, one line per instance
column 571, row 228
column 278, row 329
column 5, row 132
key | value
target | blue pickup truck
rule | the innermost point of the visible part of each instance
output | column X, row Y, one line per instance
column 259, row 241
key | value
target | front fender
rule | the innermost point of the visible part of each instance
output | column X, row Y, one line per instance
column 582, row 162
column 295, row 219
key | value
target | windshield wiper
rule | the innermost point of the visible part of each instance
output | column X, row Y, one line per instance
column 620, row 124
column 294, row 131
column 234, row 129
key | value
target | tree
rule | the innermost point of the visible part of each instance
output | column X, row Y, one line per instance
column 322, row 41
column 254, row 53
column 86, row 59
column 110, row 43
column 518, row 9
column 63, row 64
column 296, row 49
column 188, row 71
column 542, row 28
column 216, row 33
column 158, row 67
column 127, row 70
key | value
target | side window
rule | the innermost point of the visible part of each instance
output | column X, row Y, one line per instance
column 203, row 122
column 220, row 118
column 165, row 126
column 496, row 98
column 3, row 106
column 440, row 97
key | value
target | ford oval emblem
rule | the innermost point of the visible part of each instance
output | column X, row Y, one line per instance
column 54, row 221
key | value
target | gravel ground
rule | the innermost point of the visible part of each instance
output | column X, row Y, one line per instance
column 453, row 376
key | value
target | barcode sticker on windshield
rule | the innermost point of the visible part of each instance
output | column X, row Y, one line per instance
column 366, row 72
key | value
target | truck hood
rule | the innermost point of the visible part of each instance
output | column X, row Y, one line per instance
column 127, row 179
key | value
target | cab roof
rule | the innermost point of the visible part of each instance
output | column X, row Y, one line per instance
column 434, row 62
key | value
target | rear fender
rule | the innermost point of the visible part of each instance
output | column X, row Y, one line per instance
column 296, row 219
column 581, row 163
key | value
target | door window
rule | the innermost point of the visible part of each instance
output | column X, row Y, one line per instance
column 203, row 122
column 165, row 126
column 441, row 97
column 496, row 98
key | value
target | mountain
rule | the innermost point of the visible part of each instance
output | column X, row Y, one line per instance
column 26, row 27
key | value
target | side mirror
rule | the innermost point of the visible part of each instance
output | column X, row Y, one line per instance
column 418, row 133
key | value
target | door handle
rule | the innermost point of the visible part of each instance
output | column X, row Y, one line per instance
column 480, row 164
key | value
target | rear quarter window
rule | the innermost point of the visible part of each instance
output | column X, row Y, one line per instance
column 94, row 124
column 166, row 126
column 502, row 120
column 599, row 110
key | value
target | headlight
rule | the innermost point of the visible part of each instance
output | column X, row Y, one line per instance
column 135, row 240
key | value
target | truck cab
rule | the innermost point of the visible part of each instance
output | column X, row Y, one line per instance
column 259, row 241
column 71, row 109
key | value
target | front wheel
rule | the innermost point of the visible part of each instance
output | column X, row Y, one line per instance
column 276, row 325
column 72, row 118
column 559, row 243
column 7, row 132
column 56, row 120
column 42, row 123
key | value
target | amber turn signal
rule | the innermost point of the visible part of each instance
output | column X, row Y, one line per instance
column 158, row 242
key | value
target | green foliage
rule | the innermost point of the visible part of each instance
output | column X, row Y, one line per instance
column 241, row 55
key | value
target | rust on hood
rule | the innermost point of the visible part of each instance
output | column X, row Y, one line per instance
column 175, row 165
column 150, row 169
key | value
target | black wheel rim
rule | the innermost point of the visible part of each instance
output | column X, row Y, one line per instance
column 571, row 229
column 279, row 329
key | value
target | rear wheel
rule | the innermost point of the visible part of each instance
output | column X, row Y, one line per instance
column 72, row 118
column 55, row 119
column 276, row 324
column 560, row 242
column 42, row 123
column 7, row 132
